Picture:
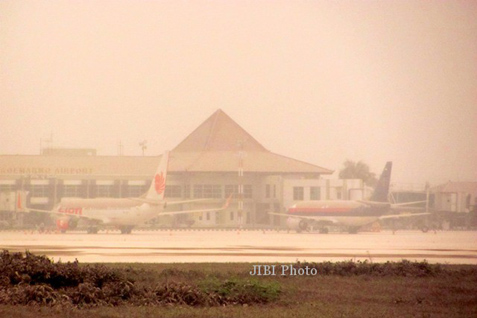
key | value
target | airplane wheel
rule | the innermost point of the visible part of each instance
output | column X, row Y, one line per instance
column 424, row 229
column 126, row 230
column 353, row 230
column 92, row 230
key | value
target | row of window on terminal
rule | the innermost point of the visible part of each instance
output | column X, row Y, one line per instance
column 213, row 191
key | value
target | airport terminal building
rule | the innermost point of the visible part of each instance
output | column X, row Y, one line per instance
column 217, row 159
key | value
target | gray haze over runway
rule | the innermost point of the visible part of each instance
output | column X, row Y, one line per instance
column 362, row 80
column 454, row 247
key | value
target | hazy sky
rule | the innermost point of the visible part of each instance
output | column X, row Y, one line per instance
column 319, row 81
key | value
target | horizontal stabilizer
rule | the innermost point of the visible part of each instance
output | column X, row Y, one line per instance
column 397, row 216
column 375, row 204
column 311, row 218
column 225, row 206
column 407, row 203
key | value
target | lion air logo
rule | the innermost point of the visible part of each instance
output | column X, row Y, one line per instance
column 159, row 183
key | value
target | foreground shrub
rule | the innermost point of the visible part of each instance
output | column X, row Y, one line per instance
column 36, row 280
column 403, row 268
column 248, row 292
column 30, row 269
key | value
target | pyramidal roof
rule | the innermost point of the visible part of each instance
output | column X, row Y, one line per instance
column 215, row 146
column 219, row 133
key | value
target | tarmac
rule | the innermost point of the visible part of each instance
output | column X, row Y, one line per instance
column 257, row 247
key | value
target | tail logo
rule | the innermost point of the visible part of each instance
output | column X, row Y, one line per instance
column 159, row 183
column 19, row 202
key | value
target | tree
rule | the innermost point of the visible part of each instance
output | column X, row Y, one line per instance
column 358, row 170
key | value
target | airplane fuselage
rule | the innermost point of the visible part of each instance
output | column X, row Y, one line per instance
column 348, row 213
column 110, row 211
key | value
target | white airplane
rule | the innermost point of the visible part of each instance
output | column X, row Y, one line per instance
column 351, row 214
column 122, row 213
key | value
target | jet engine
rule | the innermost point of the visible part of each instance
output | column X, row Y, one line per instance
column 64, row 224
column 297, row 224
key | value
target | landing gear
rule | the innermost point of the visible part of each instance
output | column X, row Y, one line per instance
column 353, row 230
column 92, row 230
column 303, row 226
column 323, row 230
column 424, row 228
column 126, row 229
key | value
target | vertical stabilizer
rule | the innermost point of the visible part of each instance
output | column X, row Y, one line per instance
column 158, row 184
column 21, row 201
column 382, row 188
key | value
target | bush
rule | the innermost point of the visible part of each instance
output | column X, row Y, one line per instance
column 353, row 268
column 36, row 280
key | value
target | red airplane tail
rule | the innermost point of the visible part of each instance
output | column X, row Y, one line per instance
column 158, row 184
column 21, row 201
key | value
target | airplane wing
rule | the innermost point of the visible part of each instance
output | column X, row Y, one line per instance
column 56, row 213
column 387, row 204
column 404, row 207
column 396, row 216
column 375, row 203
column 23, row 209
column 167, row 203
column 226, row 204
column 148, row 201
column 407, row 203
column 311, row 218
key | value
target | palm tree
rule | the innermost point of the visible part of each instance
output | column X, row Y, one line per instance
column 358, row 170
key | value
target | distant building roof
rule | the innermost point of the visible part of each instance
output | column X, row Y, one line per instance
column 68, row 152
column 253, row 161
column 214, row 146
column 219, row 133
column 456, row 187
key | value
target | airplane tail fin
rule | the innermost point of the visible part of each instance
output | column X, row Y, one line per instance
column 158, row 184
column 382, row 188
column 21, row 201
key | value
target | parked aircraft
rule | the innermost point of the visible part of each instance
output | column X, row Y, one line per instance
column 122, row 213
column 351, row 214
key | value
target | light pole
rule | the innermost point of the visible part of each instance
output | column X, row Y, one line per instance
column 143, row 145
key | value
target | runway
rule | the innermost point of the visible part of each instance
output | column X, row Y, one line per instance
column 453, row 247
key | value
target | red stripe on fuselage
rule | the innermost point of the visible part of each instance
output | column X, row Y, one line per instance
column 319, row 210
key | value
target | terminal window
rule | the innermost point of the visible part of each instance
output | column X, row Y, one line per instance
column 135, row 191
column 298, row 193
column 247, row 191
column 39, row 191
column 105, row 191
column 187, row 191
column 6, row 187
column 73, row 191
column 233, row 189
column 207, row 191
column 173, row 191
column 315, row 193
